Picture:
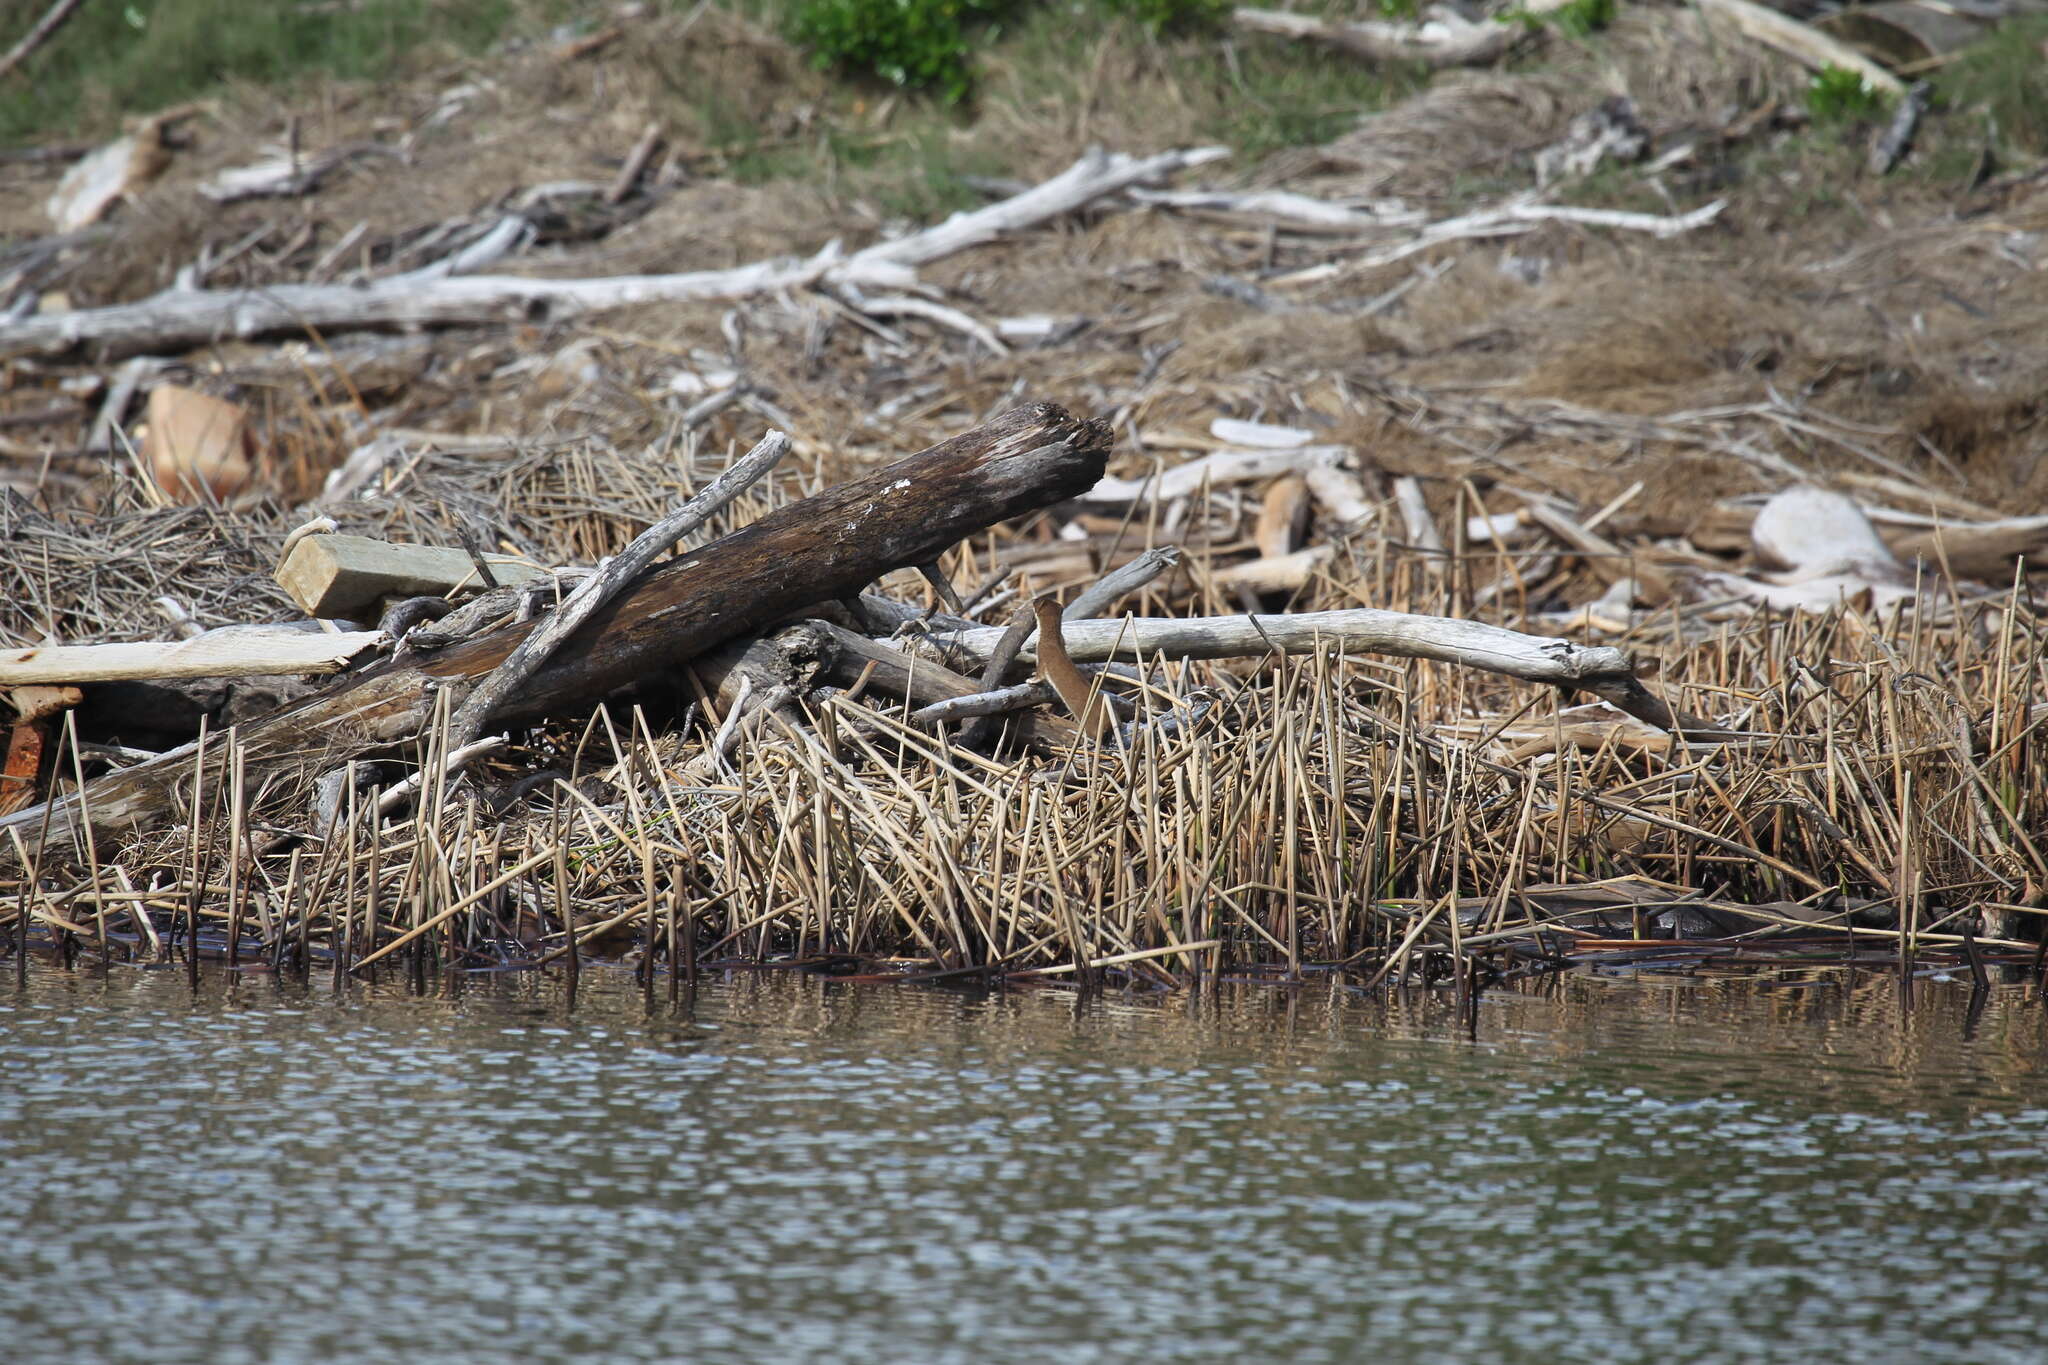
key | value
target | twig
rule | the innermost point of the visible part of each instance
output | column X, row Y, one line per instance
column 636, row 164
column 1114, row 586
column 52, row 20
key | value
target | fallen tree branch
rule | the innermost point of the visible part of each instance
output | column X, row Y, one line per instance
column 1508, row 220
column 1361, row 630
column 181, row 319
column 1217, row 469
column 1602, row 671
column 1106, row 591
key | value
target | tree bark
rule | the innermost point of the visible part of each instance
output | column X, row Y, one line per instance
column 821, row 549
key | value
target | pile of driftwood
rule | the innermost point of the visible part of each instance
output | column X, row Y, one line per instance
column 497, row 658
column 853, row 776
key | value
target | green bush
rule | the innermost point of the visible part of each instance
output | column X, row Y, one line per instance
column 917, row 44
column 1583, row 18
column 1839, row 95
column 1578, row 19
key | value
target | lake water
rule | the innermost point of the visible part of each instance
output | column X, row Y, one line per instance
column 792, row 1169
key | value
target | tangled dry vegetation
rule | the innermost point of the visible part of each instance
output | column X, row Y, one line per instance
column 1440, row 394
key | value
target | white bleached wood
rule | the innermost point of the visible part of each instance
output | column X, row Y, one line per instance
column 1422, row 531
column 1096, row 174
column 1339, row 492
column 1259, row 435
column 1361, row 630
column 1287, row 206
column 1217, row 469
column 1814, row 533
column 904, row 306
column 1274, row 573
column 1443, row 38
column 181, row 319
column 1508, row 220
column 1809, row 46
column 230, row 652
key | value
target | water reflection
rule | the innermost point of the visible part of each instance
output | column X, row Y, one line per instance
column 792, row 1169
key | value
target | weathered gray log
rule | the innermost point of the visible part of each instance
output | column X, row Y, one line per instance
column 820, row 549
column 177, row 319
column 1363, row 630
column 1600, row 670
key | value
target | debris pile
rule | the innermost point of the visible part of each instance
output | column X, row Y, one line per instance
column 1395, row 587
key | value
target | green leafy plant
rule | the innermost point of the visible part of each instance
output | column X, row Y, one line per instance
column 1160, row 17
column 917, row 44
column 1839, row 95
column 1577, row 19
column 1582, row 18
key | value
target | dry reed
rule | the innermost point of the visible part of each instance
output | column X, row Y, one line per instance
column 1884, row 803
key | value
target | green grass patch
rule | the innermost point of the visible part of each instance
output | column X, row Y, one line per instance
column 1578, row 19
column 916, row 95
column 2003, row 80
column 117, row 57
column 1161, row 17
column 1149, row 76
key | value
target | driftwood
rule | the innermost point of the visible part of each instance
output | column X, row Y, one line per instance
column 1808, row 46
column 1364, row 630
column 1598, row 670
column 230, row 652
column 1445, row 38
column 821, row 549
column 1217, row 469
column 180, row 319
column 854, row 660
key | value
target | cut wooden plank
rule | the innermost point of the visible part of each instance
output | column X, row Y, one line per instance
column 333, row 576
column 231, row 652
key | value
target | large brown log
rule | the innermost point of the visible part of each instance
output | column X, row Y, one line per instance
column 823, row 548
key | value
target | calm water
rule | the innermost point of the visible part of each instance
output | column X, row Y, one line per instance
column 796, row 1170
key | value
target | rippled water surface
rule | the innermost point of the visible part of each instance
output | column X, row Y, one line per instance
column 788, row 1169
